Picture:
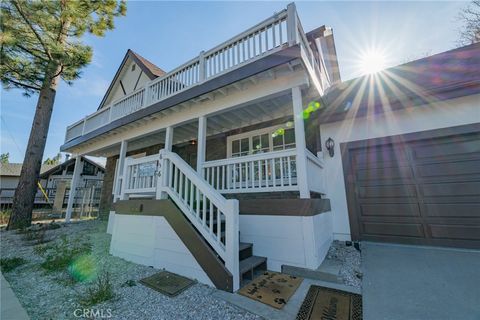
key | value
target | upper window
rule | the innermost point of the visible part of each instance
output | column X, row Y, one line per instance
column 260, row 141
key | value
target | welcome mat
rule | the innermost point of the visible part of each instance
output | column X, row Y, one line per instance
column 272, row 288
column 167, row 283
column 326, row 303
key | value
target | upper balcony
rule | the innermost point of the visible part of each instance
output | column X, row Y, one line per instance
column 279, row 32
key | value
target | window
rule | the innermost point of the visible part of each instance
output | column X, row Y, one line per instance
column 263, row 140
column 88, row 169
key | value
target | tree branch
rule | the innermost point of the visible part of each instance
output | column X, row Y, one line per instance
column 30, row 52
column 20, row 11
column 18, row 83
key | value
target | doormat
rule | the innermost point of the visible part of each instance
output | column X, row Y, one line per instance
column 272, row 288
column 168, row 283
column 326, row 303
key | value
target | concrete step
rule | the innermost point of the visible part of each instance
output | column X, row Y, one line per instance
column 326, row 272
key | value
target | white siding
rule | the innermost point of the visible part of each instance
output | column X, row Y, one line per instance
column 290, row 240
column 151, row 241
column 455, row 112
column 129, row 79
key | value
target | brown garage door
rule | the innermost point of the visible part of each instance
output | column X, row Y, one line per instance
column 421, row 188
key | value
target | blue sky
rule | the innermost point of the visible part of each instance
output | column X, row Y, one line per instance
column 171, row 33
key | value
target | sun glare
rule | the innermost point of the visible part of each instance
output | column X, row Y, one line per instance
column 372, row 61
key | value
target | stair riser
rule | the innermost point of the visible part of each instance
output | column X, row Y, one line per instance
column 245, row 253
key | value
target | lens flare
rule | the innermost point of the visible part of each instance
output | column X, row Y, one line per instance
column 83, row 269
column 372, row 61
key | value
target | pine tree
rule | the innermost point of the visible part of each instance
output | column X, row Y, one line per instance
column 41, row 44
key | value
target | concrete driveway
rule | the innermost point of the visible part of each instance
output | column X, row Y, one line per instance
column 410, row 282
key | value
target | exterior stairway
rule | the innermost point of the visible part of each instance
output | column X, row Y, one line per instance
column 249, row 264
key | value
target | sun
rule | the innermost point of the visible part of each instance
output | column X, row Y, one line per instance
column 372, row 61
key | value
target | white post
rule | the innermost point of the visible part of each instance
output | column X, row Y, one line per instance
column 202, row 141
column 201, row 67
column 232, row 242
column 73, row 187
column 292, row 24
column 300, row 143
column 120, row 165
column 163, row 179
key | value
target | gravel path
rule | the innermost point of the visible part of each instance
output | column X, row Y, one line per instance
column 55, row 296
column 349, row 259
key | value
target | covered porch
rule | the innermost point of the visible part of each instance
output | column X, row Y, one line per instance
column 258, row 147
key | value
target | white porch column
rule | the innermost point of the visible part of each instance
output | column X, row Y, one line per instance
column 119, row 173
column 73, row 187
column 163, row 181
column 300, row 143
column 202, row 141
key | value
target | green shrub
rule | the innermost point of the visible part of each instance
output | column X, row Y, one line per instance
column 100, row 291
column 60, row 254
column 8, row 264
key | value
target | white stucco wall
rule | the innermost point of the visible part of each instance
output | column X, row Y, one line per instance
column 151, row 241
column 455, row 112
column 290, row 240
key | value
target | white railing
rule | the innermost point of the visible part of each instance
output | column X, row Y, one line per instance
column 96, row 120
column 74, row 130
column 129, row 104
column 175, row 81
column 267, row 37
column 264, row 172
column 315, row 172
column 141, row 175
column 215, row 217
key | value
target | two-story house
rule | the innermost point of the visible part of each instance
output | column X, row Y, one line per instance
column 232, row 161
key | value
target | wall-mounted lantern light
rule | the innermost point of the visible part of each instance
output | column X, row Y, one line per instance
column 330, row 144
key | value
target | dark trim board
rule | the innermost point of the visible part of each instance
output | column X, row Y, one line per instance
column 284, row 207
column 205, row 256
column 415, row 188
column 273, row 60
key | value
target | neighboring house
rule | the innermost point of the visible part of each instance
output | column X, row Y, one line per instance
column 220, row 166
column 9, row 177
column 91, row 176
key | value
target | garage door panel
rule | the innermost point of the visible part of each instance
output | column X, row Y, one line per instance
column 452, row 210
column 454, row 169
column 398, row 191
column 391, row 173
column 394, row 229
column 442, row 149
column 390, row 210
column 379, row 157
column 463, row 232
column 451, row 189
column 421, row 188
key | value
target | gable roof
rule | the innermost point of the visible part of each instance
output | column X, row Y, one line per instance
column 150, row 69
column 14, row 169
column 442, row 76
column 65, row 164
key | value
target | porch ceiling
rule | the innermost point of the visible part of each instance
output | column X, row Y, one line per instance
column 267, row 109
